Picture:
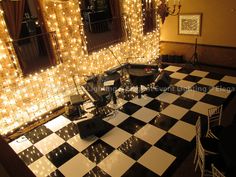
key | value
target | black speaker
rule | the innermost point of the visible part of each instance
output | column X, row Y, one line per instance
column 90, row 126
column 163, row 80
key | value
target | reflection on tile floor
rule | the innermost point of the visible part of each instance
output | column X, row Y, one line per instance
column 144, row 137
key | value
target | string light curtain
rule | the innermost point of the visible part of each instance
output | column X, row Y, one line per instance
column 25, row 99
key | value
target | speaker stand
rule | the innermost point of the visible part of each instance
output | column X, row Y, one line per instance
column 194, row 59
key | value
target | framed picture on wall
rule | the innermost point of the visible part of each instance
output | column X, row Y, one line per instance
column 190, row 24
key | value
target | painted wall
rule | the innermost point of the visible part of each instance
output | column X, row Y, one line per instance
column 218, row 22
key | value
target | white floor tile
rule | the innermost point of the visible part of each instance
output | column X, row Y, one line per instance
column 49, row 143
column 199, row 73
column 150, row 134
column 183, row 130
column 57, row 123
column 42, row 167
column 172, row 68
column 143, row 101
column 185, row 84
column 207, row 81
column 157, row 160
column 145, row 114
column 194, row 95
column 116, row 164
column 177, row 75
column 220, row 92
column 20, row 144
column 174, row 111
column 77, row 166
column 116, row 137
column 202, row 108
column 81, row 144
column 167, row 97
column 229, row 79
column 117, row 118
column 120, row 102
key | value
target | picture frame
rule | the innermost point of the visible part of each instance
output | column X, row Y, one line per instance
column 190, row 24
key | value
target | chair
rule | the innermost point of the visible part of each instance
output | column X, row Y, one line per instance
column 209, row 144
column 203, row 158
column 216, row 172
column 214, row 122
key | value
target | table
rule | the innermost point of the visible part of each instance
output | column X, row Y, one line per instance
column 227, row 148
column 142, row 76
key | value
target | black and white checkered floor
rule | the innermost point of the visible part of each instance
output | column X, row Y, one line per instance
column 147, row 137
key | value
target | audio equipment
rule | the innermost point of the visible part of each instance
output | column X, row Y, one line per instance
column 90, row 126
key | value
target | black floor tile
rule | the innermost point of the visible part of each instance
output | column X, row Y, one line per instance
column 106, row 128
column 134, row 147
column 185, row 70
column 61, row 154
column 176, row 90
column 192, row 78
column 68, row 131
column 201, row 88
column 157, row 105
column 38, row 134
column 96, row 172
column 226, row 85
column 153, row 93
column 216, row 76
column 168, row 72
column 56, row 173
column 214, row 100
column 191, row 117
column 98, row 151
column 162, row 121
column 129, row 108
column 173, row 145
column 174, row 81
column 138, row 170
column 131, row 125
column 30, row 155
column 185, row 102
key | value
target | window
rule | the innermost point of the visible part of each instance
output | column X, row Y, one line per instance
column 149, row 19
column 31, row 41
column 102, row 23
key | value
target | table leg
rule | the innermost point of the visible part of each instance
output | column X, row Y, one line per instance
column 139, row 91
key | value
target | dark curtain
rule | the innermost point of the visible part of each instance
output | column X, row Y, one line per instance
column 47, row 37
column 14, row 12
column 116, row 17
column 148, row 15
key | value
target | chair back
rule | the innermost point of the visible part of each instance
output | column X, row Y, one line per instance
column 200, row 151
column 198, row 128
column 214, row 116
column 216, row 172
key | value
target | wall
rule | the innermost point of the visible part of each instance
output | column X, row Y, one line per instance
column 218, row 29
column 25, row 99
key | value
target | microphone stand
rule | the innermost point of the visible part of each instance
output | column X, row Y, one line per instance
column 122, row 70
column 194, row 58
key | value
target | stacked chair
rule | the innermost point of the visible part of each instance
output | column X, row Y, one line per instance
column 206, row 152
column 216, row 172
